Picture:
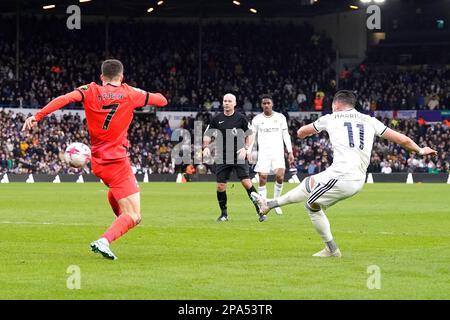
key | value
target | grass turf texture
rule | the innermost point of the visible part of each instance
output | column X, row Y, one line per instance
column 180, row 251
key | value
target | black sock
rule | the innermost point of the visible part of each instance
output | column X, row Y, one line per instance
column 332, row 246
column 222, row 199
column 249, row 191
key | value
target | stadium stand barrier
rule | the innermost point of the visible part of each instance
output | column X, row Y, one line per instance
column 72, row 178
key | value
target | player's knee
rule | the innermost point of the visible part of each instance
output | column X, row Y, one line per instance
column 304, row 188
column 312, row 208
column 307, row 184
column 136, row 216
column 221, row 187
column 246, row 183
column 131, row 207
column 138, row 219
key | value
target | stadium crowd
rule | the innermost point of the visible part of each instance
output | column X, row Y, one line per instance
column 243, row 61
column 42, row 150
column 296, row 66
column 423, row 88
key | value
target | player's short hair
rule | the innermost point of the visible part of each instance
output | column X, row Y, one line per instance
column 266, row 96
column 230, row 95
column 345, row 97
column 111, row 68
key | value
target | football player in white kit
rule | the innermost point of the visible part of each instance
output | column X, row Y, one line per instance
column 351, row 134
column 271, row 131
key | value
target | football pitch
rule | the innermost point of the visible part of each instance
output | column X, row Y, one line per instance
column 395, row 241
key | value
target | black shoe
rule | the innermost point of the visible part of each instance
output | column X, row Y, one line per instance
column 222, row 218
column 262, row 217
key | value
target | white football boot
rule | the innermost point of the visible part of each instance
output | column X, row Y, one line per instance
column 326, row 253
column 278, row 211
column 261, row 202
column 99, row 246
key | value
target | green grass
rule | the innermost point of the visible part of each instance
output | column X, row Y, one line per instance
column 180, row 251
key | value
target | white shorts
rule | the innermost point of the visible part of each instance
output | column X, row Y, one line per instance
column 269, row 164
column 328, row 191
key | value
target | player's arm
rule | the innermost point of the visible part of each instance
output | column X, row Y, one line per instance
column 306, row 131
column 143, row 98
column 207, row 138
column 206, row 141
column 287, row 141
column 156, row 99
column 52, row 106
column 207, row 135
column 317, row 126
column 406, row 142
column 248, row 141
column 252, row 133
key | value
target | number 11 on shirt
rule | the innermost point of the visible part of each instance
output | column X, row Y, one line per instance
column 350, row 134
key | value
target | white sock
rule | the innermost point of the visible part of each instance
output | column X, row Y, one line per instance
column 263, row 191
column 321, row 223
column 298, row 194
column 278, row 188
column 104, row 241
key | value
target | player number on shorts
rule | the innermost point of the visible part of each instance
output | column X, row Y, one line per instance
column 351, row 141
column 113, row 107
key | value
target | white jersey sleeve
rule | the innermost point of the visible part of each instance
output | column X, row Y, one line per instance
column 254, row 125
column 378, row 126
column 284, row 125
column 321, row 123
column 286, row 136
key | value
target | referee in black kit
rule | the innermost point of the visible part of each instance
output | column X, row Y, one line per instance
column 235, row 132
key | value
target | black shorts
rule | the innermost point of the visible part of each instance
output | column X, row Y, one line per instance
column 223, row 172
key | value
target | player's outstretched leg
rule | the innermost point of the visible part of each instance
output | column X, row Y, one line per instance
column 298, row 194
column 114, row 204
column 130, row 217
column 322, row 226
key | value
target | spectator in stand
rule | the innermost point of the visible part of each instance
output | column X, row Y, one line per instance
column 318, row 101
column 433, row 103
column 301, row 100
column 312, row 168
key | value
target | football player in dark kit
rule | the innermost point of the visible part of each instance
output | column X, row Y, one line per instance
column 233, row 141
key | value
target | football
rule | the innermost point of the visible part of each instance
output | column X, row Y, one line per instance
column 77, row 154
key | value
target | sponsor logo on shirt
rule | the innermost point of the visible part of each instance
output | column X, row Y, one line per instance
column 265, row 130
